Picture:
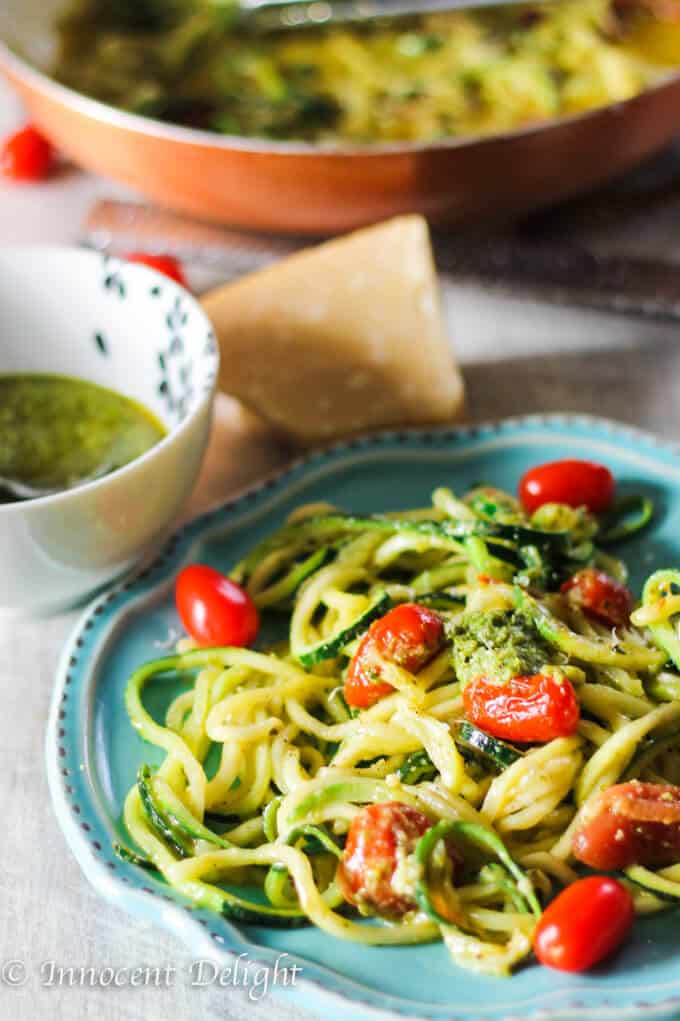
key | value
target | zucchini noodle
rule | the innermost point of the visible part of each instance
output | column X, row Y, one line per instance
column 420, row 78
column 267, row 765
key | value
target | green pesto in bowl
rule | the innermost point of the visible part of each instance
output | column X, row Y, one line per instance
column 58, row 431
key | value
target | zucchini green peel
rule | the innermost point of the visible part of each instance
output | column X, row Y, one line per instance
column 628, row 517
column 445, row 532
column 652, row 882
column 178, row 817
column 269, row 818
column 649, row 750
column 329, row 648
column 591, row 650
column 173, row 837
column 662, row 585
column 132, row 858
column 316, row 833
column 416, row 767
column 472, row 740
column 274, row 595
column 482, row 838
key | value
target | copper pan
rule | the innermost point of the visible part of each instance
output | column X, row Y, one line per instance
column 315, row 189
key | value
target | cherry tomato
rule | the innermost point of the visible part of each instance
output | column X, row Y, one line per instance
column 26, row 155
column 576, row 483
column 165, row 264
column 379, row 839
column 630, row 824
column 409, row 635
column 535, row 708
column 584, row 924
column 213, row 609
column 599, row 595
column 363, row 687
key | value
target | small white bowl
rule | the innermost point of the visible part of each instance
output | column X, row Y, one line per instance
column 78, row 313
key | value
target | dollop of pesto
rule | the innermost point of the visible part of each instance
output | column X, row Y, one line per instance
column 56, row 431
column 497, row 645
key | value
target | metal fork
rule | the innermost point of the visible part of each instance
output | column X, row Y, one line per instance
column 271, row 15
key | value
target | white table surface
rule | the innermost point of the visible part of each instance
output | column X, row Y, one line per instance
column 517, row 355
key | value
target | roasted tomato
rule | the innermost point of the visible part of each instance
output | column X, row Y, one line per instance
column 165, row 264
column 373, row 873
column 535, row 708
column 584, row 924
column 630, row 824
column 600, row 596
column 214, row 609
column 363, row 687
column 409, row 635
column 26, row 155
column 576, row 483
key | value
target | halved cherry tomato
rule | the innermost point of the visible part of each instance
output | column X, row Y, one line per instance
column 576, row 483
column 363, row 687
column 165, row 264
column 534, row 708
column 409, row 635
column 631, row 824
column 215, row 610
column 599, row 595
column 379, row 838
column 584, row 924
column 26, row 155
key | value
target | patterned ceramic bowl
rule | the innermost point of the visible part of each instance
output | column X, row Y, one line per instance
column 77, row 313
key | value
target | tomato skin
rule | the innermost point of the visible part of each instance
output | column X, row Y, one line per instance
column 526, row 708
column 576, row 483
column 602, row 597
column 215, row 610
column 631, row 824
column 363, row 687
column 26, row 155
column 378, row 836
column 409, row 635
column 584, row 924
column 165, row 264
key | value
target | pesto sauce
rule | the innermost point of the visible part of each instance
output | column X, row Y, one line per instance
column 56, row 431
column 497, row 645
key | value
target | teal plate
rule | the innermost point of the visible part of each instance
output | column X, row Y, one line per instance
column 93, row 752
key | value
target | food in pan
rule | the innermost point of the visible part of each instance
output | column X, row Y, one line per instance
column 429, row 78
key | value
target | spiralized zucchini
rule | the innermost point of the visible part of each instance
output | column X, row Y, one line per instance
column 417, row 79
column 266, row 766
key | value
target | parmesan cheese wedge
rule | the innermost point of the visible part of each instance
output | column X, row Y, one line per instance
column 341, row 338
